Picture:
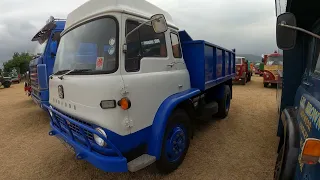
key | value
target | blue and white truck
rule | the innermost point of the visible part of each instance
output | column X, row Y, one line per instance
column 298, row 35
column 132, row 98
column 41, row 66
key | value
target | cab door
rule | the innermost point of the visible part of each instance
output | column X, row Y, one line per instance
column 308, row 101
column 149, row 71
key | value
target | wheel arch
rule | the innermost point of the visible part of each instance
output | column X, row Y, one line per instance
column 182, row 100
column 291, row 140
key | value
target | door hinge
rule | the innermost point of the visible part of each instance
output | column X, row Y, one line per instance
column 124, row 91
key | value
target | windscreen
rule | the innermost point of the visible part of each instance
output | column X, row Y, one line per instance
column 91, row 46
column 275, row 60
column 238, row 60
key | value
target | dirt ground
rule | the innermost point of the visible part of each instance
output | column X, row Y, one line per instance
column 242, row 146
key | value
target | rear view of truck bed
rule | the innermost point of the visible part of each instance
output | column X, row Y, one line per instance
column 208, row 64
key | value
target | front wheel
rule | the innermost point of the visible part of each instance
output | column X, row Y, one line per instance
column 224, row 103
column 175, row 142
column 278, row 166
column 244, row 80
column 6, row 84
column 265, row 85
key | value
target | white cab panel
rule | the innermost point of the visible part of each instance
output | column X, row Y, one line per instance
column 82, row 97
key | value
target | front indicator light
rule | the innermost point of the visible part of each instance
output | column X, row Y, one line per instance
column 124, row 103
column 107, row 104
column 98, row 139
column 310, row 153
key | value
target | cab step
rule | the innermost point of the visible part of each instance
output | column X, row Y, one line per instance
column 141, row 162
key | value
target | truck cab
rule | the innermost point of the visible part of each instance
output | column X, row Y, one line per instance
column 41, row 67
column 273, row 67
column 128, row 94
column 298, row 129
column 243, row 74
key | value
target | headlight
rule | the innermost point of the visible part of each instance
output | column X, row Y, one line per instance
column 99, row 140
column 238, row 68
column 237, row 73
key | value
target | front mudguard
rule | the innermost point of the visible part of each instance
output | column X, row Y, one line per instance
column 160, row 121
column 291, row 141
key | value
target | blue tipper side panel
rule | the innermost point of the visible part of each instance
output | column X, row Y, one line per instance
column 208, row 64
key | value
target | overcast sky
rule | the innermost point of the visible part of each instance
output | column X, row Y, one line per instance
column 247, row 25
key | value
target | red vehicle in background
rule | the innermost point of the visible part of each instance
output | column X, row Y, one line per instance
column 242, row 71
column 27, row 84
column 273, row 67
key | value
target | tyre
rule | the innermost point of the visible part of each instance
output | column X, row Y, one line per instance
column 249, row 78
column 244, row 80
column 279, row 163
column 224, row 103
column 6, row 84
column 265, row 84
column 175, row 142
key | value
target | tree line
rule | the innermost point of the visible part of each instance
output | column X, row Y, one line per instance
column 19, row 61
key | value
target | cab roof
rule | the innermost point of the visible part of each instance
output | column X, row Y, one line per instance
column 93, row 8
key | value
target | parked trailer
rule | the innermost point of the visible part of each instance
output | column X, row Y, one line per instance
column 138, row 102
column 41, row 66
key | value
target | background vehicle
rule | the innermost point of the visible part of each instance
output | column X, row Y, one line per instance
column 42, row 65
column 15, row 76
column 136, row 101
column 243, row 71
column 257, row 69
column 273, row 66
column 5, row 81
column 299, row 146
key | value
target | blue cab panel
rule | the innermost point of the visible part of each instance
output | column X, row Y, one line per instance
column 208, row 64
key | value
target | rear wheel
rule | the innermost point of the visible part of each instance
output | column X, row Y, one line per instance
column 224, row 103
column 175, row 142
column 265, row 84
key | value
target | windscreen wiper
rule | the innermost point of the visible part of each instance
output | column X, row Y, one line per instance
column 73, row 70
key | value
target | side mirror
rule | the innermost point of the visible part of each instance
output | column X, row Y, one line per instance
column 159, row 23
column 286, row 37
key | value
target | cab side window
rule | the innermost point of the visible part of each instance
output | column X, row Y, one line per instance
column 143, row 43
column 175, row 43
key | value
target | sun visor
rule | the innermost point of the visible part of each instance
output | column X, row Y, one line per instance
column 44, row 33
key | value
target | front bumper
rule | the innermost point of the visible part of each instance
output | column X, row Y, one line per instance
column 273, row 81
column 107, row 158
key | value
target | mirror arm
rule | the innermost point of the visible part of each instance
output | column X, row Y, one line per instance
column 300, row 29
column 133, row 30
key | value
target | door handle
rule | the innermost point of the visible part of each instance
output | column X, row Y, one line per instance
column 170, row 65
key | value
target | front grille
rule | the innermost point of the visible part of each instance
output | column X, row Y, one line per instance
column 34, row 76
column 75, row 128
